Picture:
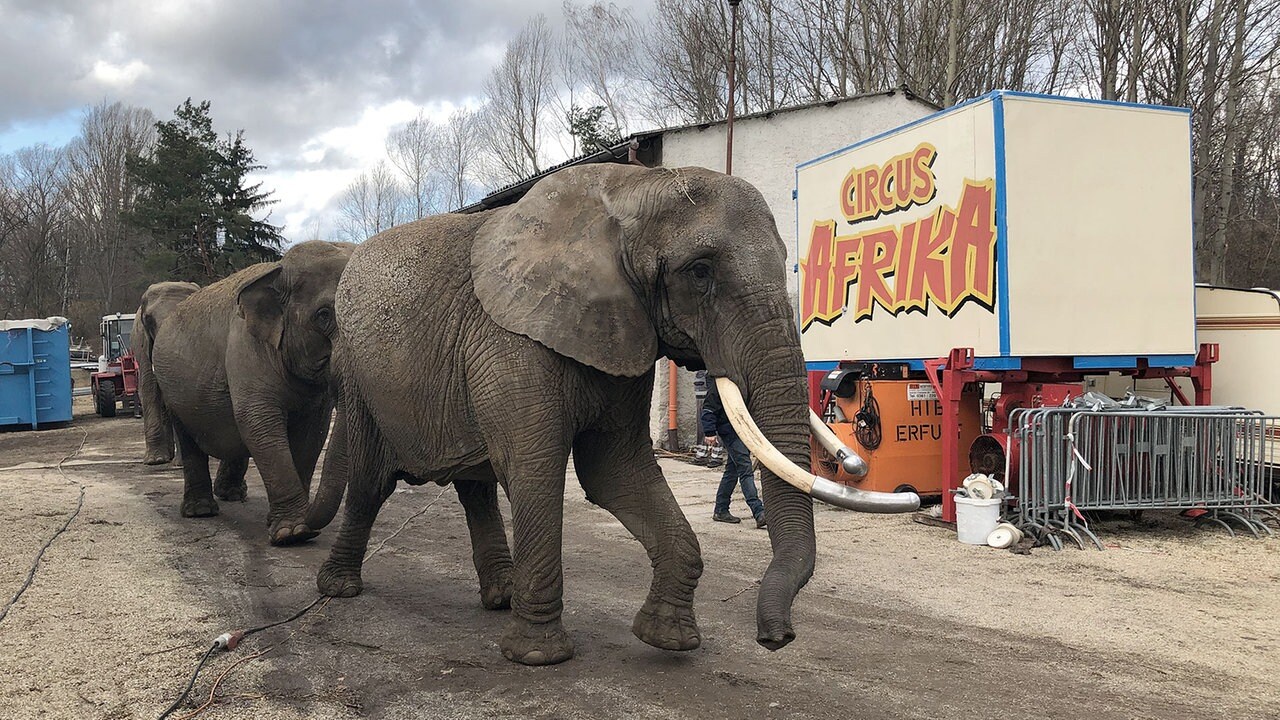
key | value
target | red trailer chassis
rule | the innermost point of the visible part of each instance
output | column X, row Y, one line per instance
column 1039, row 381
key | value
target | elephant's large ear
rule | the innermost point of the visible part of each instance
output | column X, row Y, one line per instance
column 260, row 302
column 551, row 268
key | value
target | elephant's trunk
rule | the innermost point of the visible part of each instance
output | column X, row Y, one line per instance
column 776, row 397
column 774, row 421
column 333, row 477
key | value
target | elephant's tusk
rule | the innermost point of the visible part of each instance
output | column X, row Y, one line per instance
column 820, row 488
column 848, row 459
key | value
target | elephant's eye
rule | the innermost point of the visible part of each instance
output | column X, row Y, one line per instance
column 324, row 315
column 700, row 270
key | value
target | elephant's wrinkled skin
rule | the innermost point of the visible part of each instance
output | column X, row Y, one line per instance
column 243, row 370
column 475, row 347
column 158, row 302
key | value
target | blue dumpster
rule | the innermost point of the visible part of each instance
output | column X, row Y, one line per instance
column 35, row 371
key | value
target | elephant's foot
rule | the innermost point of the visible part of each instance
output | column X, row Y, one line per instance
column 338, row 580
column 156, row 457
column 667, row 626
column 199, row 507
column 536, row 643
column 291, row 531
column 496, row 595
column 231, row 492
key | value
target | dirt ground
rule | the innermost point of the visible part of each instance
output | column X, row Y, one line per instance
column 900, row 620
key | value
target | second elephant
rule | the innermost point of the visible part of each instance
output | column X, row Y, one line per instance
column 243, row 370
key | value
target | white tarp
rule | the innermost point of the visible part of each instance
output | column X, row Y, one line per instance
column 45, row 324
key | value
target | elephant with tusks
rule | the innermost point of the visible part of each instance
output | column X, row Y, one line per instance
column 485, row 349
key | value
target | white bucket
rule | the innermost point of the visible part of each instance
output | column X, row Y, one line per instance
column 975, row 519
column 102, row 363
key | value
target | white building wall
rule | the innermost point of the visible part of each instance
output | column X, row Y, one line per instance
column 766, row 151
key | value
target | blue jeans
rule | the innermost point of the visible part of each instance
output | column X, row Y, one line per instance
column 737, row 470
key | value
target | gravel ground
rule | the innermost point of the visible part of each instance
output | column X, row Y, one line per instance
column 899, row 621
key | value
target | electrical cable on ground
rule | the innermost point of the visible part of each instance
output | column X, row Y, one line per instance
column 229, row 641
column 408, row 520
column 213, row 690
column 35, row 564
column 190, row 683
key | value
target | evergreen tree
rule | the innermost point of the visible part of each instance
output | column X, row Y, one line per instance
column 195, row 201
column 592, row 131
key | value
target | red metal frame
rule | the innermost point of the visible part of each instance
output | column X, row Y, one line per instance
column 950, row 375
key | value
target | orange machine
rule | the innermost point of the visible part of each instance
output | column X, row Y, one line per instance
column 897, row 426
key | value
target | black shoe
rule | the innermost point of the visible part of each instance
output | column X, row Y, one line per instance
column 725, row 518
column 760, row 523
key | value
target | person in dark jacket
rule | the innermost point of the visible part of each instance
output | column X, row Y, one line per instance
column 737, row 468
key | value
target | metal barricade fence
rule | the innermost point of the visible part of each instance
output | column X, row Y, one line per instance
column 1074, row 460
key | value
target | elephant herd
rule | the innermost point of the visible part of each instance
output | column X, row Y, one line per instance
column 485, row 350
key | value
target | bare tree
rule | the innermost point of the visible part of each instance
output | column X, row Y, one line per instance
column 410, row 148
column 98, row 190
column 519, row 92
column 457, row 154
column 602, row 40
column 687, row 46
column 373, row 202
column 34, row 280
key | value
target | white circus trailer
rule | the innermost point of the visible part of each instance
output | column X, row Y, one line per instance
column 1019, row 225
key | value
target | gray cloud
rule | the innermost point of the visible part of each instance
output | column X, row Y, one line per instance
column 284, row 71
column 280, row 70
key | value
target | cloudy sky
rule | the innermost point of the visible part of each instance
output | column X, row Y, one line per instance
column 315, row 84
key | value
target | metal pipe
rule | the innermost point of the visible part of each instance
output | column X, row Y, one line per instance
column 848, row 459
column 673, row 404
column 819, row 487
column 733, row 72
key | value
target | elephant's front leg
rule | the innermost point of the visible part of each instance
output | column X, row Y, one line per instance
column 535, row 481
column 619, row 473
column 265, row 433
column 489, row 548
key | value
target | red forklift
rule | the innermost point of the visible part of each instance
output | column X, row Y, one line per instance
column 117, row 377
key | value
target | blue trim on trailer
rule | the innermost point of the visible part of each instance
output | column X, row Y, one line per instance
column 1091, row 101
column 1168, row 361
column 1099, row 362
column 1080, row 362
column 1002, row 227
column 1191, row 210
column 984, row 363
column 997, row 363
column 1103, row 362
